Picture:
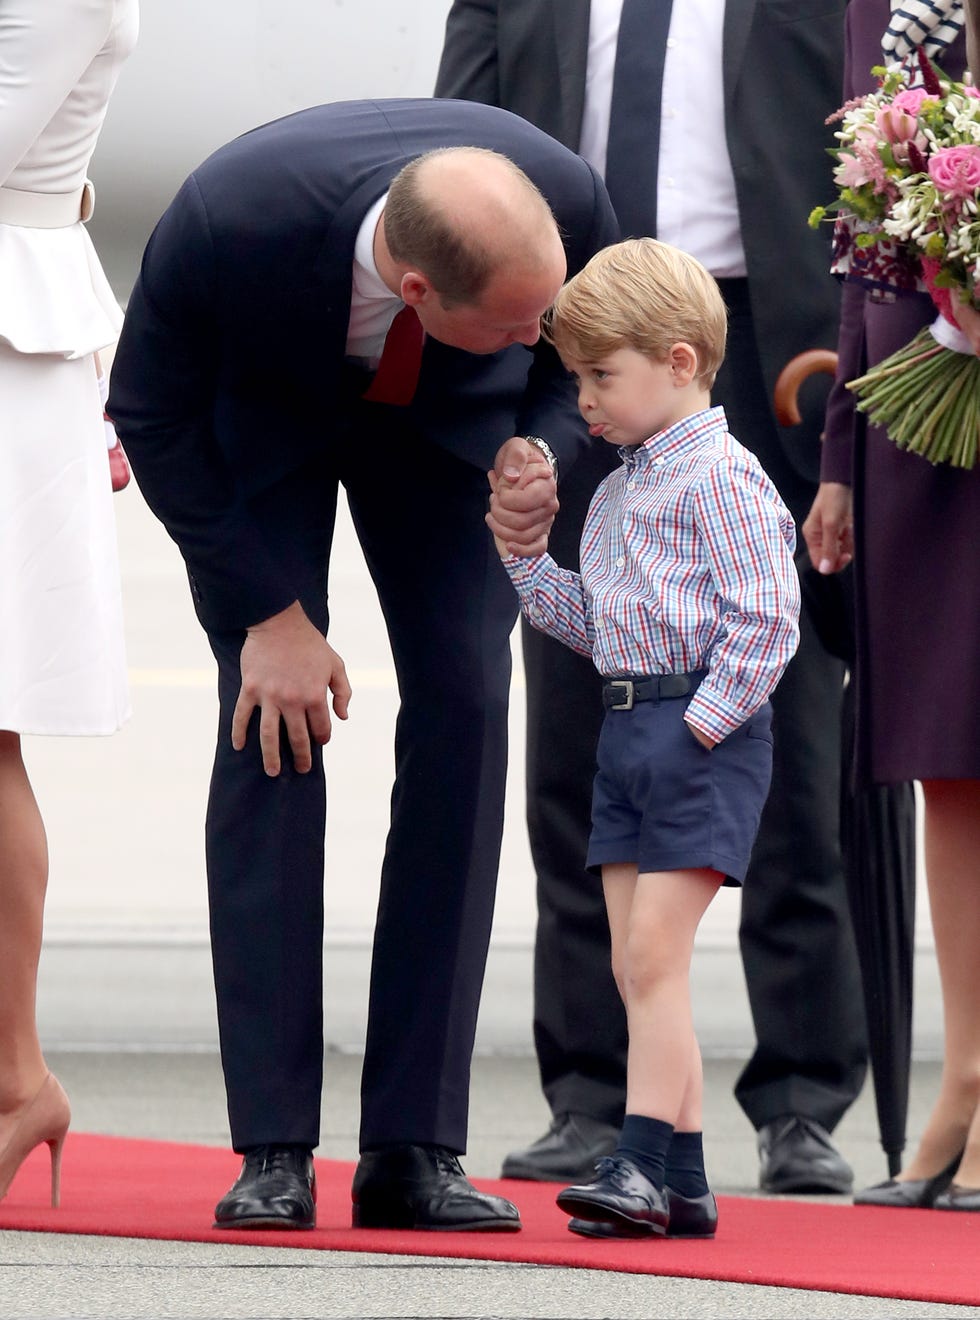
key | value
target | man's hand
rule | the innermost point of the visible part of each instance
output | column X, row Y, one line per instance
column 523, row 500
column 829, row 528
column 287, row 667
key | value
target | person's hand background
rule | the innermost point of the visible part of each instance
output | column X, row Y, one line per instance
column 968, row 319
column 829, row 528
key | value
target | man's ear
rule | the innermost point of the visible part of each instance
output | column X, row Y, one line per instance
column 683, row 361
column 415, row 288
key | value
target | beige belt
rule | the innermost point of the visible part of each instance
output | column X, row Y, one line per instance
column 34, row 210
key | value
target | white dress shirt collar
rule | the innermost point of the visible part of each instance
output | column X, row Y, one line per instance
column 373, row 306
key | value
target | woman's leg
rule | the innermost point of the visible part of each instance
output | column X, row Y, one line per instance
column 952, row 828
column 653, row 919
column 23, row 881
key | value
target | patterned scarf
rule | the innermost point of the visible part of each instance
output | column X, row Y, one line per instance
column 932, row 24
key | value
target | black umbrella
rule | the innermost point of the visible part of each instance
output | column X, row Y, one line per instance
column 877, row 838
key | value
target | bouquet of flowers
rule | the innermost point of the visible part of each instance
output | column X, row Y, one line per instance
column 908, row 217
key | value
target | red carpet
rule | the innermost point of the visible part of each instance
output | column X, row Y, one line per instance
column 152, row 1189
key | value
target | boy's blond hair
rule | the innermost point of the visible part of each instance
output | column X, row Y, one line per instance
column 645, row 295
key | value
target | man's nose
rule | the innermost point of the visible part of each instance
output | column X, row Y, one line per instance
column 527, row 334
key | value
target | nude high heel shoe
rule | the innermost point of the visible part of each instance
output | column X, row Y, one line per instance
column 45, row 1118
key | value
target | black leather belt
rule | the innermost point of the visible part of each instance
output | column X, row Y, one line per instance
column 624, row 693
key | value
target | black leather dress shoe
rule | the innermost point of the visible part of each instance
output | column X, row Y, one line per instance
column 568, row 1151
column 619, row 1195
column 796, row 1154
column 913, row 1193
column 424, row 1187
column 275, row 1189
column 958, row 1198
column 690, row 1217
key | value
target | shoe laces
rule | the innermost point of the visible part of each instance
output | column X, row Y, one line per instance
column 810, row 1126
column 277, row 1159
column 615, row 1168
column 447, row 1162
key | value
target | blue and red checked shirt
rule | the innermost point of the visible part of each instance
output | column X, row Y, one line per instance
column 686, row 563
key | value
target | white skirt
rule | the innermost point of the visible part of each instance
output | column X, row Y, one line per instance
column 62, row 653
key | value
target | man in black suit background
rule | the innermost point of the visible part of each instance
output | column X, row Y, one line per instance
column 707, row 120
column 248, row 383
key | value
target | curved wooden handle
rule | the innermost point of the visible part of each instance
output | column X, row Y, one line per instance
column 793, row 375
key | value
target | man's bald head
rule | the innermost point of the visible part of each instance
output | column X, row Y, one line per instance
column 460, row 215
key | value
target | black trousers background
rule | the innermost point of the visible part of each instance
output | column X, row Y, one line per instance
column 449, row 610
column 795, row 932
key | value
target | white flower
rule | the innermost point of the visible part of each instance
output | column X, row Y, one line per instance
column 967, row 130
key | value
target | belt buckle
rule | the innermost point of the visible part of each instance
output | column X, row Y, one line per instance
column 629, row 691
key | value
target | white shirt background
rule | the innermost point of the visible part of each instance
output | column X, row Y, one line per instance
column 696, row 203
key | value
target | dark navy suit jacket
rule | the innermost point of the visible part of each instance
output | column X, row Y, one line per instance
column 230, row 368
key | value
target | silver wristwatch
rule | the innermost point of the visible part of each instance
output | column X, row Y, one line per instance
column 545, row 449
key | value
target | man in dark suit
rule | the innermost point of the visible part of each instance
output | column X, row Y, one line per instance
column 249, row 381
column 723, row 154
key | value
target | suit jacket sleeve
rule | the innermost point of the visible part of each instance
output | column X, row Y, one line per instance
column 469, row 66
column 836, row 459
column 837, row 450
column 162, row 402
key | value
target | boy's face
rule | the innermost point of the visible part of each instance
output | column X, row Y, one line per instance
column 626, row 397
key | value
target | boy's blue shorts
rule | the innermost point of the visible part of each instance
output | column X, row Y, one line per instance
column 663, row 801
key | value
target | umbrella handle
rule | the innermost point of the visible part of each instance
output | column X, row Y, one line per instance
column 793, row 375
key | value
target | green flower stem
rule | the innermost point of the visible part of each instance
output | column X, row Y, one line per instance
column 907, row 389
column 897, row 367
column 927, row 398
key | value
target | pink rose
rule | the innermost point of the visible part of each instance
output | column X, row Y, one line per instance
column 956, row 170
column 911, row 100
column 972, row 91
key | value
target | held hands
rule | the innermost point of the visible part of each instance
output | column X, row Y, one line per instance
column 287, row 667
column 523, row 499
column 829, row 528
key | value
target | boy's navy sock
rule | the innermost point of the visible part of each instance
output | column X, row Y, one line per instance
column 685, row 1164
column 644, row 1141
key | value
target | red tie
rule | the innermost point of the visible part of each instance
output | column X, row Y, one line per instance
column 398, row 371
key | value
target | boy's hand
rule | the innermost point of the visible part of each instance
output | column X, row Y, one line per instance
column 500, row 545
column 523, row 499
column 702, row 738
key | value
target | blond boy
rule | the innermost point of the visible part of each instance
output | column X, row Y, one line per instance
column 687, row 601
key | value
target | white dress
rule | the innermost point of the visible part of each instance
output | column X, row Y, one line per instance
column 62, row 656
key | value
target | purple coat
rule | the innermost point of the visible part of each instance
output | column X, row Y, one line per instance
column 917, row 530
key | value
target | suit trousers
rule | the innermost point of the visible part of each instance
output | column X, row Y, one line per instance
column 449, row 610
column 795, row 933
